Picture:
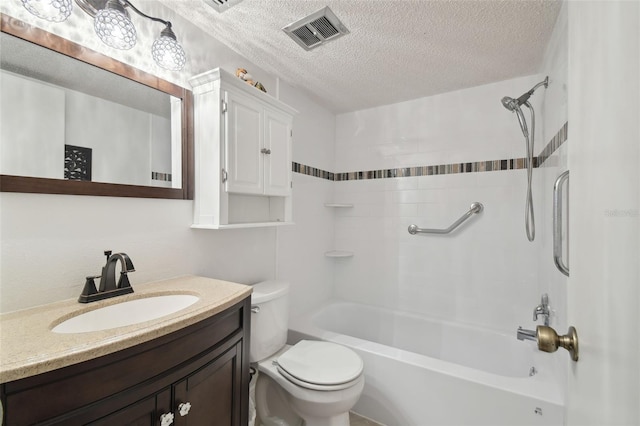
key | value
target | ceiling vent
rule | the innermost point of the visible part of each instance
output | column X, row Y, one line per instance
column 222, row 5
column 316, row 29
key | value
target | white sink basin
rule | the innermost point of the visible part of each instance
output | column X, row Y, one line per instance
column 126, row 313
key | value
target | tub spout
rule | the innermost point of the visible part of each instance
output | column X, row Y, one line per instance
column 542, row 309
column 524, row 334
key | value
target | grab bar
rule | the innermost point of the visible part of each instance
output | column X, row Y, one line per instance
column 557, row 223
column 475, row 208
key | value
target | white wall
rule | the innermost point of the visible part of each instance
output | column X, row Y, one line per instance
column 119, row 137
column 49, row 243
column 604, row 286
column 553, row 114
column 32, row 127
column 301, row 247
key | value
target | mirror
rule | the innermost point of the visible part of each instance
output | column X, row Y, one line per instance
column 78, row 122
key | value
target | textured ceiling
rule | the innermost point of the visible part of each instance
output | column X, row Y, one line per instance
column 397, row 50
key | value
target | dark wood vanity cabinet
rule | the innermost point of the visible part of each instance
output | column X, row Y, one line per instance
column 205, row 365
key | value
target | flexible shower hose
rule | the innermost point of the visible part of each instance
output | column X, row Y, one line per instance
column 529, row 219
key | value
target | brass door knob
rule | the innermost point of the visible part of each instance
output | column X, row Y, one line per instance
column 549, row 341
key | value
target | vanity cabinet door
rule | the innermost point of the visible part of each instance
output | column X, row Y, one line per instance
column 202, row 364
column 214, row 399
column 143, row 413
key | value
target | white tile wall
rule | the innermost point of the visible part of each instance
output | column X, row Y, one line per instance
column 487, row 272
column 462, row 126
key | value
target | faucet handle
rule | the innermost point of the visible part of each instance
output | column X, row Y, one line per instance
column 108, row 253
column 544, row 299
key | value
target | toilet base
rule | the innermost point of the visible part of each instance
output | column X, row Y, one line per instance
column 274, row 405
column 339, row 420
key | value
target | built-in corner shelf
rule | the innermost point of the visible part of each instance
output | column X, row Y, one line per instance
column 338, row 205
column 243, row 225
column 339, row 253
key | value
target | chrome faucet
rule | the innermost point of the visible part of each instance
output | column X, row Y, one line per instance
column 542, row 309
column 108, row 286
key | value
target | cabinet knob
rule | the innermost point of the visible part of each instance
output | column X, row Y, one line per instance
column 184, row 408
column 265, row 151
column 166, row 419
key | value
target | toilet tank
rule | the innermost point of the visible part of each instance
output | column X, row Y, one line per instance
column 269, row 324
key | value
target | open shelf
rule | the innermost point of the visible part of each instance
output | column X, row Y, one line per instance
column 338, row 205
column 242, row 225
column 339, row 253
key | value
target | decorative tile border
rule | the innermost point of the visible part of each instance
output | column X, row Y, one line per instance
column 165, row 177
column 554, row 144
column 441, row 169
column 312, row 171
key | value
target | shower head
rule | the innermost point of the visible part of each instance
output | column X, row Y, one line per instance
column 510, row 103
column 514, row 104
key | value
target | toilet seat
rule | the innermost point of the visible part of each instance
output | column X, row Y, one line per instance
column 320, row 365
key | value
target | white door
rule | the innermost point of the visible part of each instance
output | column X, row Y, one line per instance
column 277, row 160
column 604, row 156
column 243, row 142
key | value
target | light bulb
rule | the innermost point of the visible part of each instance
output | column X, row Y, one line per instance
column 167, row 52
column 51, row 10
column 114, row 27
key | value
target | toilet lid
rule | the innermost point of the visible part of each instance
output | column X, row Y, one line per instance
column 321, row 363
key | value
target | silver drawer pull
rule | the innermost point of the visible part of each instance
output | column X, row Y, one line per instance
column 265, row 151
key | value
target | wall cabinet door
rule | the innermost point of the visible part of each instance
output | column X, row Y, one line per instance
column 258, row 147
column 277, row 142
column 243, row 142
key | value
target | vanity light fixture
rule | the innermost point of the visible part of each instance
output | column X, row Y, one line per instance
column 51, row 10
column 114, row 26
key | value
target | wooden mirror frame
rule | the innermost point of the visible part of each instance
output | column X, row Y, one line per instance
column 10, row 183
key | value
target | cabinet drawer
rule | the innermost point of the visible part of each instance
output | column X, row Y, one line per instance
column 34, row 399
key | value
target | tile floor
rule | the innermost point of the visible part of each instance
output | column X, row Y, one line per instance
column 357, row 420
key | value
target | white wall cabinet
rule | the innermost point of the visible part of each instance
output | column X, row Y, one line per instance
column 242, row 141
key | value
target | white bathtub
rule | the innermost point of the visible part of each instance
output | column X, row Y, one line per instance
column 420, row 371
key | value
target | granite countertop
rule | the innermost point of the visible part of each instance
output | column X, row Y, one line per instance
column 29, row 347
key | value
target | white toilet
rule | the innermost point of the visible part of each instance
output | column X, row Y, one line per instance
column 313, row 381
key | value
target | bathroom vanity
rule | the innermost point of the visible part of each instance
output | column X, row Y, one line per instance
column 186, row 368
